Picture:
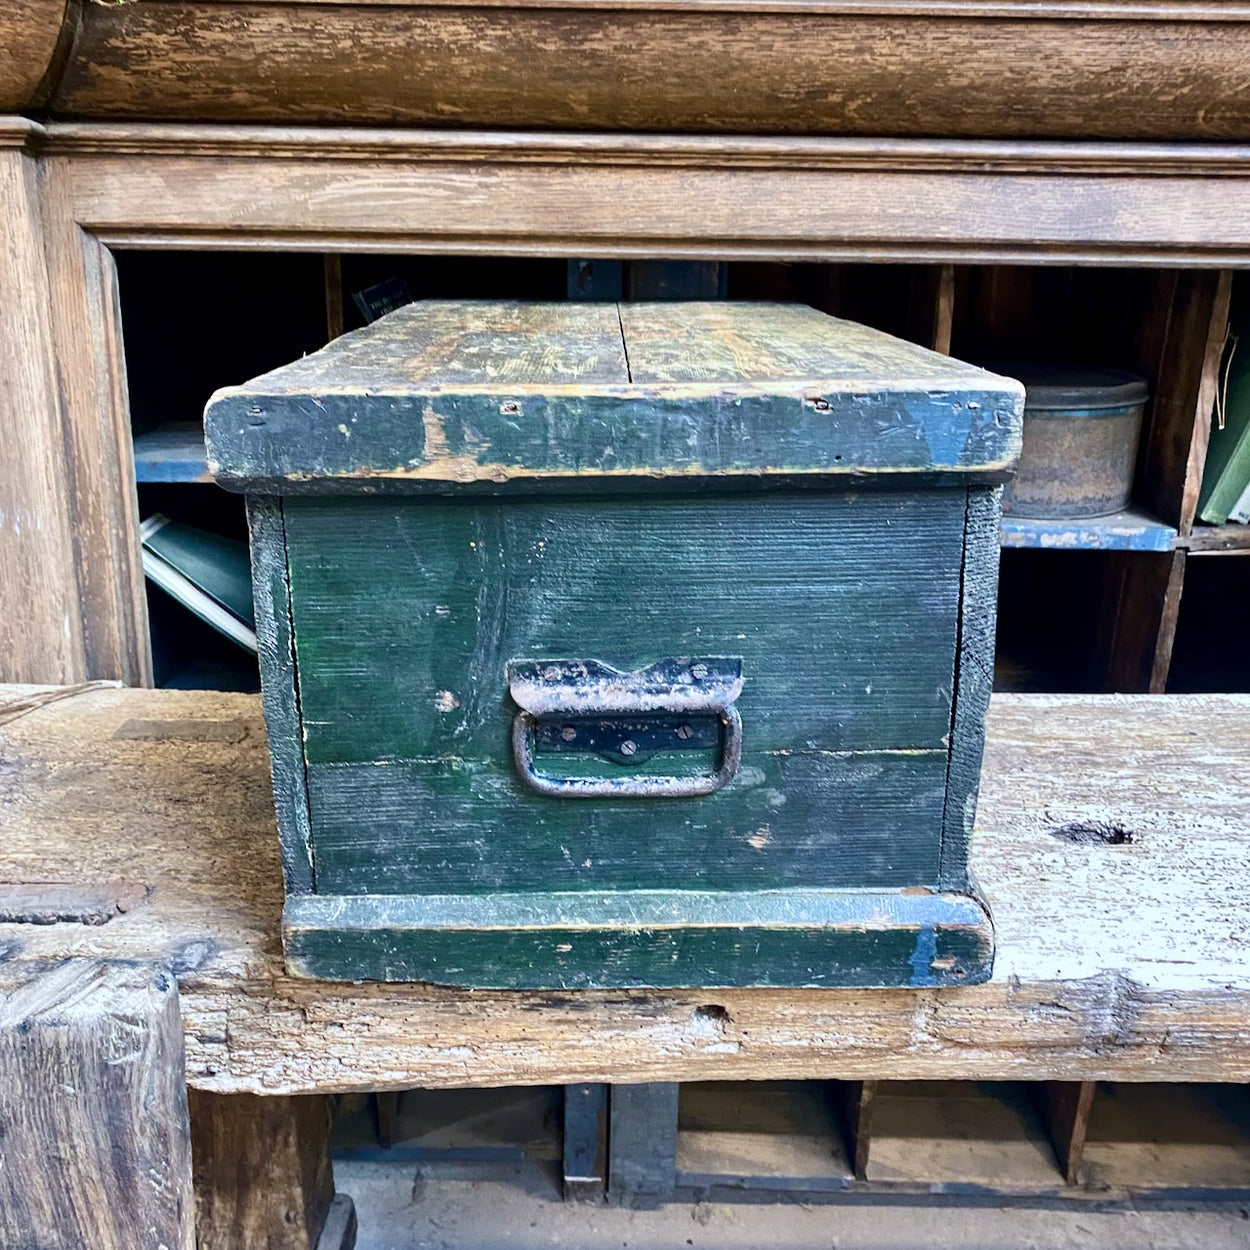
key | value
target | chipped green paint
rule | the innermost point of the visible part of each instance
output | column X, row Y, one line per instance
column 425, row 400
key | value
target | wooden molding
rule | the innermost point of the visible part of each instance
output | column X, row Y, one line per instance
column 648, row 196
column 967, row 157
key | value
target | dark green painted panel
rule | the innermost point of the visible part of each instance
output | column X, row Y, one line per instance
column 843, row 608
column 662, row 939
column 786, row 820
column 406, row 615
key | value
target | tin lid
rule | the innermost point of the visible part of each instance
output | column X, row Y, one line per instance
column 1052, row 387
column 447, row 396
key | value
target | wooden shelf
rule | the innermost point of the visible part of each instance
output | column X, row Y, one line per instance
column 1130, row 530
column 1217, row 540
column 172, row 453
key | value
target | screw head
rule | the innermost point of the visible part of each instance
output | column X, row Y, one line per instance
column 684, row 732
column 698, row 671
column 568, row 733
column 551, row 673
column 629, row 747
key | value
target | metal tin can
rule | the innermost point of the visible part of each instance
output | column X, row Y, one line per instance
column 1081, row 429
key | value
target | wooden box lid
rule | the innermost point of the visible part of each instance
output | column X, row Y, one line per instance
column 445, row 395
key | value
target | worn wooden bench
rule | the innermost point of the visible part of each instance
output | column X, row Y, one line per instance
column 138, row 826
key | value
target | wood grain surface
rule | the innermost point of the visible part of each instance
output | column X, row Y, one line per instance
column 41, row 631
column 584, row 397
column 95, row 1149
column 1121, row 960
column 1027, row 71
column 263, row 1179
column 35, row 39
column 649, row 196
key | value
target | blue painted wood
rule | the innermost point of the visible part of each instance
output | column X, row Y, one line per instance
column 1130, row 530
column 172, row 453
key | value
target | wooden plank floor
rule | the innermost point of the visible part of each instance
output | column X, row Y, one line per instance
column 1111, row 843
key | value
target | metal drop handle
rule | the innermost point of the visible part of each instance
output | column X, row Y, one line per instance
column 588, row 691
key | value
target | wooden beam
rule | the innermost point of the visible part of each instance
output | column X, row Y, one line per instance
column 1124, row 815
column 656, row 197
column 95, row 1148
column 35, row 39
column 262, row 1171
column 1060, row 69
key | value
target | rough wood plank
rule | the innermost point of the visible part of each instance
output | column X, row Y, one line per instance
column 94, row 1148
column 1147, row 979
column 40, row 628
column 681, row 196
column 262, row 1171
column 642, row 1144
column 848, row 71
column 443, row 393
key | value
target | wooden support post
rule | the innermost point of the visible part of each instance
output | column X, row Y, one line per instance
column 854, row 1105
column 333, row 267
column 94, row 1144
column 262, row 1172
column 943, row 309
column 1064, row 1107
column 585, row 1142
column 85, row 319
column 41, row 637
column 642, row 1144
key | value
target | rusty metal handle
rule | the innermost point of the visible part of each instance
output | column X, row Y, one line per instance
column 640, row 787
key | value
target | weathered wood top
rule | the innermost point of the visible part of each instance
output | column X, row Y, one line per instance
column 484, row 392
column 1125, row 959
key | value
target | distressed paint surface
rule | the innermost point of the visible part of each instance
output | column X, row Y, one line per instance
column 407, row 615
column 440, row 395
column 853, row 620
column 661, row 939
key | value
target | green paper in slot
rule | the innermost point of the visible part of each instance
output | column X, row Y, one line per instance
column 208, row 574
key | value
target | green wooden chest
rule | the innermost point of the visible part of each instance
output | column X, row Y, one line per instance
column 638, row 645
